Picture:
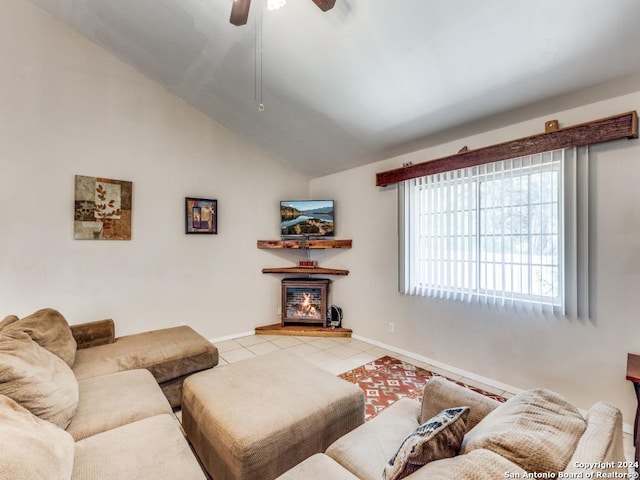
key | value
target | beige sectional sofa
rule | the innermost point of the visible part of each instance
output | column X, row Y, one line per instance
column 67, row 414
column 536, row 432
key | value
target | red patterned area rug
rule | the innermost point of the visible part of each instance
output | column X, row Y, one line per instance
column 388, row 379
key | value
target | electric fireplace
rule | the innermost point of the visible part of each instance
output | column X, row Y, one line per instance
column 304, row 300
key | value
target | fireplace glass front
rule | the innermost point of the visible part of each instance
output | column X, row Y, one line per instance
column 304, row 301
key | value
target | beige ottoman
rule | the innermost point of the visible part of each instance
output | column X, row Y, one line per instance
column 257, row 418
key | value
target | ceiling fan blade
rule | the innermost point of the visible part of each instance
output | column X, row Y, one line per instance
column 240, row 12
column 325, row 5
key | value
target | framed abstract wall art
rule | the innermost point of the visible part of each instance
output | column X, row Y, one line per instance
column 102, row 209
column 201, row 216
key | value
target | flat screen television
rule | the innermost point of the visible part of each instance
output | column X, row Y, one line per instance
column 307, row 218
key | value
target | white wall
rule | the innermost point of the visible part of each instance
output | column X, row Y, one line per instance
column 585, row 360
column 68, row 107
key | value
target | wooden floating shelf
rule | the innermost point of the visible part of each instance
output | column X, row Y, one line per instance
column 304, row 244
column 303, row 331
column 306, row 270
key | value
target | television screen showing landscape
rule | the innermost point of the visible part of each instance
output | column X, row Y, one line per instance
column 307, row 218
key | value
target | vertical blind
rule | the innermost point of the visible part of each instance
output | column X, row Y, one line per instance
column 494, row 233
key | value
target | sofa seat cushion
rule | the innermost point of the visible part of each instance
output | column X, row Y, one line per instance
column 437, row 438
column 318, row 467
column 168, row 353
column 116, row 399
column 477, row 465
column 366, row 450
column 37, row 379
column 536, row 429
column 49, row 329
column 31, row 448
column 150, row 448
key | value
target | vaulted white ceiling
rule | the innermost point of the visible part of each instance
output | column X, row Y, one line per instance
column 368, row 79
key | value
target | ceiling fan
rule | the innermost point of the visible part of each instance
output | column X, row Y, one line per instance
column 240, row 9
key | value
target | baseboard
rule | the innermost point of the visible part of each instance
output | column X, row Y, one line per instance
column 231, row 337
column 444, row 366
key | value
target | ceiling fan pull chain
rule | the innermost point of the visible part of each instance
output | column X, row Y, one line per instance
column 258, row 60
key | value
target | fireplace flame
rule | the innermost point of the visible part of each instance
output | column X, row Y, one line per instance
column 307, row 309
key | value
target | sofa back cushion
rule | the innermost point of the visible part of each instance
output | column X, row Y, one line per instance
column 536, row 429
column 32, row 449
column 441, row 393
column 37, row 379
column 8, row 320
column 49, row 329
column 601, row 444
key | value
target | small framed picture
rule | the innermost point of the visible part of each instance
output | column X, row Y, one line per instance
column 201, row 215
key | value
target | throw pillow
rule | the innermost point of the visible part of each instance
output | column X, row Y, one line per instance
column 32, row 449
column 438, row 438
column 49, row 329
column 536, row 429
column 37, row 379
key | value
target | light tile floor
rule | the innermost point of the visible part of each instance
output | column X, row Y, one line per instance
column 339, row 355
column 336, row 355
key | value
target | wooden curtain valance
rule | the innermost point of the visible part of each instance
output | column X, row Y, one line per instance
column 617, row 127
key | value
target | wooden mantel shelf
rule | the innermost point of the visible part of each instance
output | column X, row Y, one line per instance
column 304, row 243
column 306, row 270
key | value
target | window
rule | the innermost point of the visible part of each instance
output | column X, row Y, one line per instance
column 493, row 233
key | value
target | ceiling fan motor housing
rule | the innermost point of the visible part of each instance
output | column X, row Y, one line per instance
column 240, row 10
